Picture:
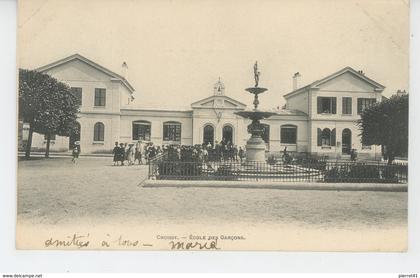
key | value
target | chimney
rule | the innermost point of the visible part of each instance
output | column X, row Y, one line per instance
column 124, row 70
column 296, row 80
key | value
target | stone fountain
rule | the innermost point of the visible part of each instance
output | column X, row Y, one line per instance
column 255, row 146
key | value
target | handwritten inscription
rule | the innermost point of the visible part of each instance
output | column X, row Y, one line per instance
column 174, row 242
column 79, row 241
column 83, row 241
column 181, row 245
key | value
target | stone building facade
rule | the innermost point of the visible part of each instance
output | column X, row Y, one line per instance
column 319, row 118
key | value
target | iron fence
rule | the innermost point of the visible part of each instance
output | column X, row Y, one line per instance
column 297, row 171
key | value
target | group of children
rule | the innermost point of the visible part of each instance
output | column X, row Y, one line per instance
column 124, row 152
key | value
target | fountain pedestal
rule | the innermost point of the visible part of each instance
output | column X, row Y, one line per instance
column 255, row 150
column 255, row 146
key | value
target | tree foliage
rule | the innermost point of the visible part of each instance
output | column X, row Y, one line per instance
column 386, row 124
column 47, row 105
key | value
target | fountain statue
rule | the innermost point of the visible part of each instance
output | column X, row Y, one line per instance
column 255, row 146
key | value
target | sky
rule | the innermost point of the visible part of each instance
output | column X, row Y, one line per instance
column 176, row 49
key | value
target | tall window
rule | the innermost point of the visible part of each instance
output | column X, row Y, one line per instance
column 172, row 132
column 363, row 103
column 98, row 132
column 347, row 105
column 227, row 134
column 100, row 97
column 326, row 137
column 327, row 105
column 288, row 134
column 77, row 92
column 141, row 130
column 208, row 135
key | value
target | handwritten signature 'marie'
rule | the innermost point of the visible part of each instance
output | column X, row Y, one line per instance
column 78, row 241
column 180, row 245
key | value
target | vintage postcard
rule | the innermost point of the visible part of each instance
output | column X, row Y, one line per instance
column 213, row 125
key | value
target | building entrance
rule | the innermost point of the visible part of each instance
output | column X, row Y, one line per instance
column 208, row 135
column 227, row 134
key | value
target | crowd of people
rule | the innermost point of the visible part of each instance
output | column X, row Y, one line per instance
column 129, row 153
column 221, row 151
column 142, row 152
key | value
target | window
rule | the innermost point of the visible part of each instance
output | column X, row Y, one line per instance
column 288, row 134
column 172, row 131
column 77, row 92
column 326, row 137
column 363, row 103
column 100, row 97
column 208, row 135
column 52, row 137
column 327, row 105
column 98, row 132
column 141, row 130
column 227, row 134
column 347, row 105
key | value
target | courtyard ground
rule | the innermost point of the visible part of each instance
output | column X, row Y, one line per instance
column 55, row 194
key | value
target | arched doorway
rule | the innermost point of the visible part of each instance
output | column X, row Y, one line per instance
column 227, row 134
column 74, row 136
column 208, row 135
column 346, row 141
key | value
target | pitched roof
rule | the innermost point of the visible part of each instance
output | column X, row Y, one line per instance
column 316, row 83
column 90, row 63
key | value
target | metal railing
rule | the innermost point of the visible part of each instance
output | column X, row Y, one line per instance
column 297, row 171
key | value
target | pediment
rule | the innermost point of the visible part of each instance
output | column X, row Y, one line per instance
column 76, row 66
column 230, row 104
column 77, row 70
column 346, row 79
column 347, row 82
column 208, row 103
column 222, row 102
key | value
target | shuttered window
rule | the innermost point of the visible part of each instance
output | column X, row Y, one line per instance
column 327, row 105
column 347, row 105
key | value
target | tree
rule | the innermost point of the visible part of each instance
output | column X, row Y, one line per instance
column 47, row 105
column 386, row 124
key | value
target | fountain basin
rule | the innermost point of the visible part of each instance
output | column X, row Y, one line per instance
column 256, row 90
column 255, row 114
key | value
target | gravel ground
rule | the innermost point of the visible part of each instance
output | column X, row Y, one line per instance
column 55, row 191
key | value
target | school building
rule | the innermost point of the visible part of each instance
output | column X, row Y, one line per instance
column 319, row 118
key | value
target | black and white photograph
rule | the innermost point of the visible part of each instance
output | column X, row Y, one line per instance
column 213, row 125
